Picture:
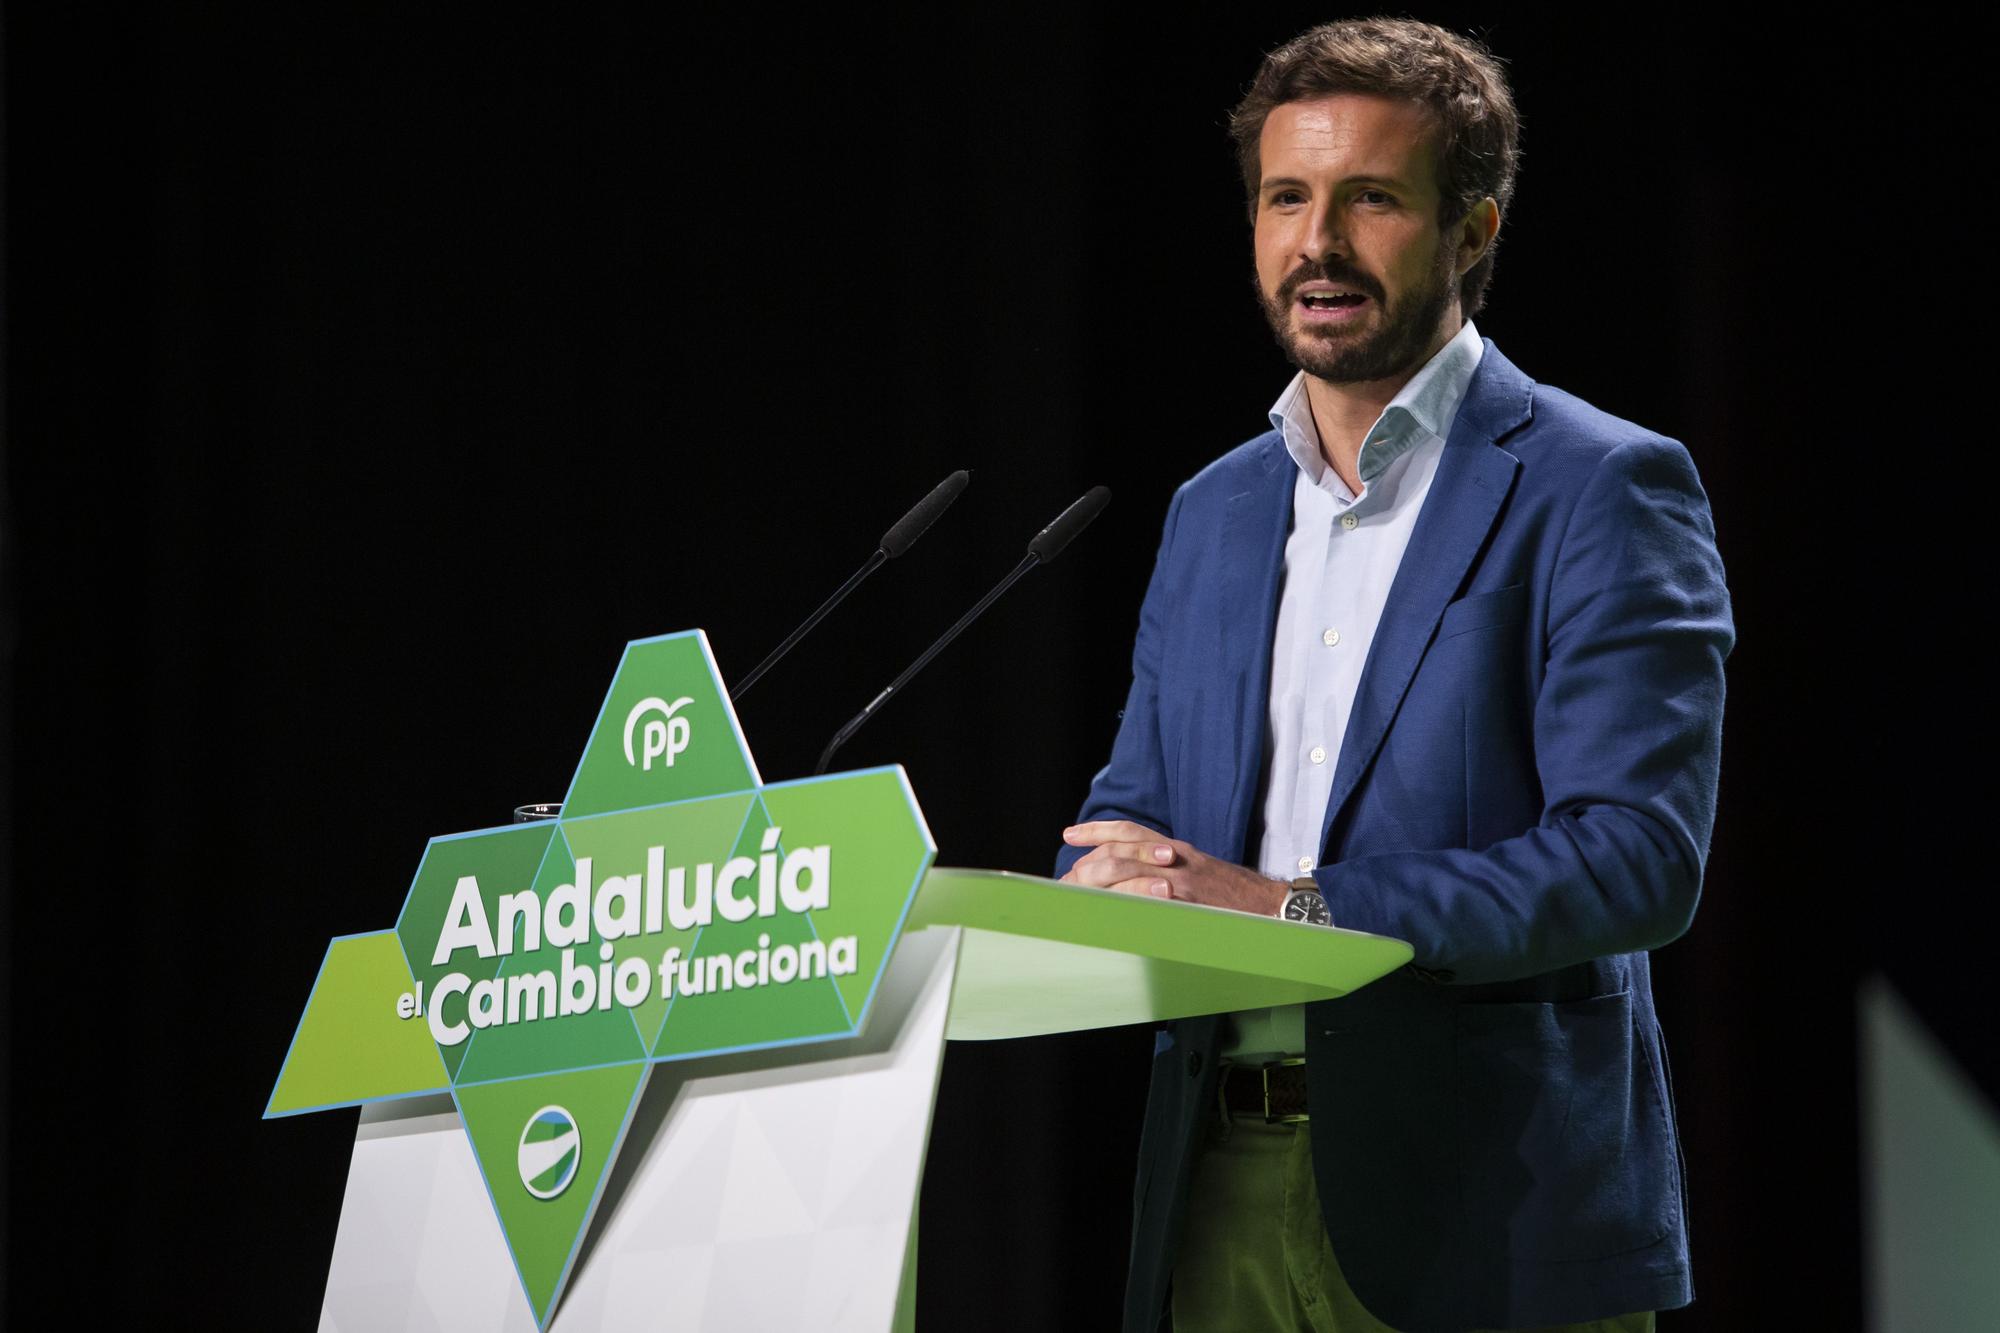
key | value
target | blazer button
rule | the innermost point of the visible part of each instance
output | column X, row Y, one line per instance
column 1194, row 1063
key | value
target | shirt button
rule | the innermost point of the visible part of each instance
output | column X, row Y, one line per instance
column 1330, row 638
column 1348, row 521
column 1318, row 754
column 1305, row 865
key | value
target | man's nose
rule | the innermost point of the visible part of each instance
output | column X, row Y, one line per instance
column 1325, row 236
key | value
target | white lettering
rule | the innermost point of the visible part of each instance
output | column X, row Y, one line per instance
column 616, row 924
column 801, row 861
column 840, row 958
column 579, row 986
column 685, row 915
column 573, row 899
column 486, row 1003
column 656, row 858
column 524, row 908
column 719, row 978
column 812, row 958
column 735, row 871
column 622, row 907
column 531, row 995
column 663, row 737
column 634, row 979
column 448, row 1034
column 465, row 924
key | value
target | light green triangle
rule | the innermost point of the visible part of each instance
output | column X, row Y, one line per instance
column 688, row 834
column 351, row 1045
column 884, row 852
column 767, row 1013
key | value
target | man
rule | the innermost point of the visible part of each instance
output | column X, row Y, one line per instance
column 1443, row 648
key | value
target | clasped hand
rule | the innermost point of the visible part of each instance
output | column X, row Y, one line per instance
column 1132, row 858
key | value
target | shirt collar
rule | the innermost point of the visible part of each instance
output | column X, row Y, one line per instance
column 1423, row 408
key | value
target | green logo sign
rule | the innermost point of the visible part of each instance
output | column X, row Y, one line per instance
column 680, row 907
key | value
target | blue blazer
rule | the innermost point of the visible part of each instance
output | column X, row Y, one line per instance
column 1525, row 793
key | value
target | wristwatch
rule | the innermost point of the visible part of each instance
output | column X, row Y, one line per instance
column 1305, row 903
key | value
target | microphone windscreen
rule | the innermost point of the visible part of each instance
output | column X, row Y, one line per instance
column 910, row 526
column 1048, row 543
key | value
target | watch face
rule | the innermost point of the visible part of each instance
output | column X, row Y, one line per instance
column 1309, row 907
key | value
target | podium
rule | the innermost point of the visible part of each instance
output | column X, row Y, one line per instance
column 777, row 1188
column 666, row 1059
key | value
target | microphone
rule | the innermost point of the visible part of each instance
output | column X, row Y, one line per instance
column 1049, row 542
column 898, row 539
column 1047, row 545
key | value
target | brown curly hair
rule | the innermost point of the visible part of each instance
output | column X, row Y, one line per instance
column 1456, row 78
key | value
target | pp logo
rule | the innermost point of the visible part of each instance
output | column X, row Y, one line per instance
column 550, row 1147
column 663, row 737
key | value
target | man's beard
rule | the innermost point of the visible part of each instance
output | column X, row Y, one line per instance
column 1400, row 343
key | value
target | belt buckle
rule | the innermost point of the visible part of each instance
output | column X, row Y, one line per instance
column 1264, row 1078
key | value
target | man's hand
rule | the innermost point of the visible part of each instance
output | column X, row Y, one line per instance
column 1131, row 858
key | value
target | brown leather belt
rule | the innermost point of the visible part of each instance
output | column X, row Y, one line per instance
column 1273, row 1093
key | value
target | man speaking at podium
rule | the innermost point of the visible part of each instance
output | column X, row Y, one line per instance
column 1437, row 657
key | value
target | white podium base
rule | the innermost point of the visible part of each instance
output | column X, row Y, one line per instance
column 770, row 1190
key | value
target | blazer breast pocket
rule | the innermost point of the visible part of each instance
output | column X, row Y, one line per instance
column 1506, row 606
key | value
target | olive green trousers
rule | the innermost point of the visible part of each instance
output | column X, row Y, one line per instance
column 1255, row 1257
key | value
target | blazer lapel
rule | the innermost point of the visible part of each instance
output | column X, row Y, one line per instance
column 1472, row 482
column 1255, row 524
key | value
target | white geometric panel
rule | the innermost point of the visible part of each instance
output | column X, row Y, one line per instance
column 769, row 1190
column 419, row 1249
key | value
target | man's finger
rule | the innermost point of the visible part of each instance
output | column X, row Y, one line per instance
column 1106, row 830
column 1148, row 853
column 1102, row 872
column 1144, row 886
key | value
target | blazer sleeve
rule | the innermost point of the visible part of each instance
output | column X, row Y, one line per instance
column 1134, row 784
column 1627, row 732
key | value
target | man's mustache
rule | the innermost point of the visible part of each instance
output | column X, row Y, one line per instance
column 1316, row 271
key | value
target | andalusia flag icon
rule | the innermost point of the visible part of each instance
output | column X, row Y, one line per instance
column 548, row 1152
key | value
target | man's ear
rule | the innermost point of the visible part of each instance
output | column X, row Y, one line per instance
column 1474, row 234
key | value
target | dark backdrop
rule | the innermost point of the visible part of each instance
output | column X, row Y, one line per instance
column 372, row 379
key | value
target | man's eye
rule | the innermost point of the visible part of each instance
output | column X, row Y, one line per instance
column 1285, row 198
column 1375, row 197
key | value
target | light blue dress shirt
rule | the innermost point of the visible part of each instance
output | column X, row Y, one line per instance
column 1340, row 561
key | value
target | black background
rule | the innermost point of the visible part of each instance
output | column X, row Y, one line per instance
column 372, row 378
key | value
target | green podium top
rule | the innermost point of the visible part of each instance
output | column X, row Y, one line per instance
column 1039, row 956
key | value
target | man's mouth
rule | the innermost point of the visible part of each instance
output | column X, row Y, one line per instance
column 1325, row 306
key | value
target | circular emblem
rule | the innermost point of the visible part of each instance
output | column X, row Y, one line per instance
column 550, row 1147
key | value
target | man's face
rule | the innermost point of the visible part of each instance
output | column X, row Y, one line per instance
column 1355, row 277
